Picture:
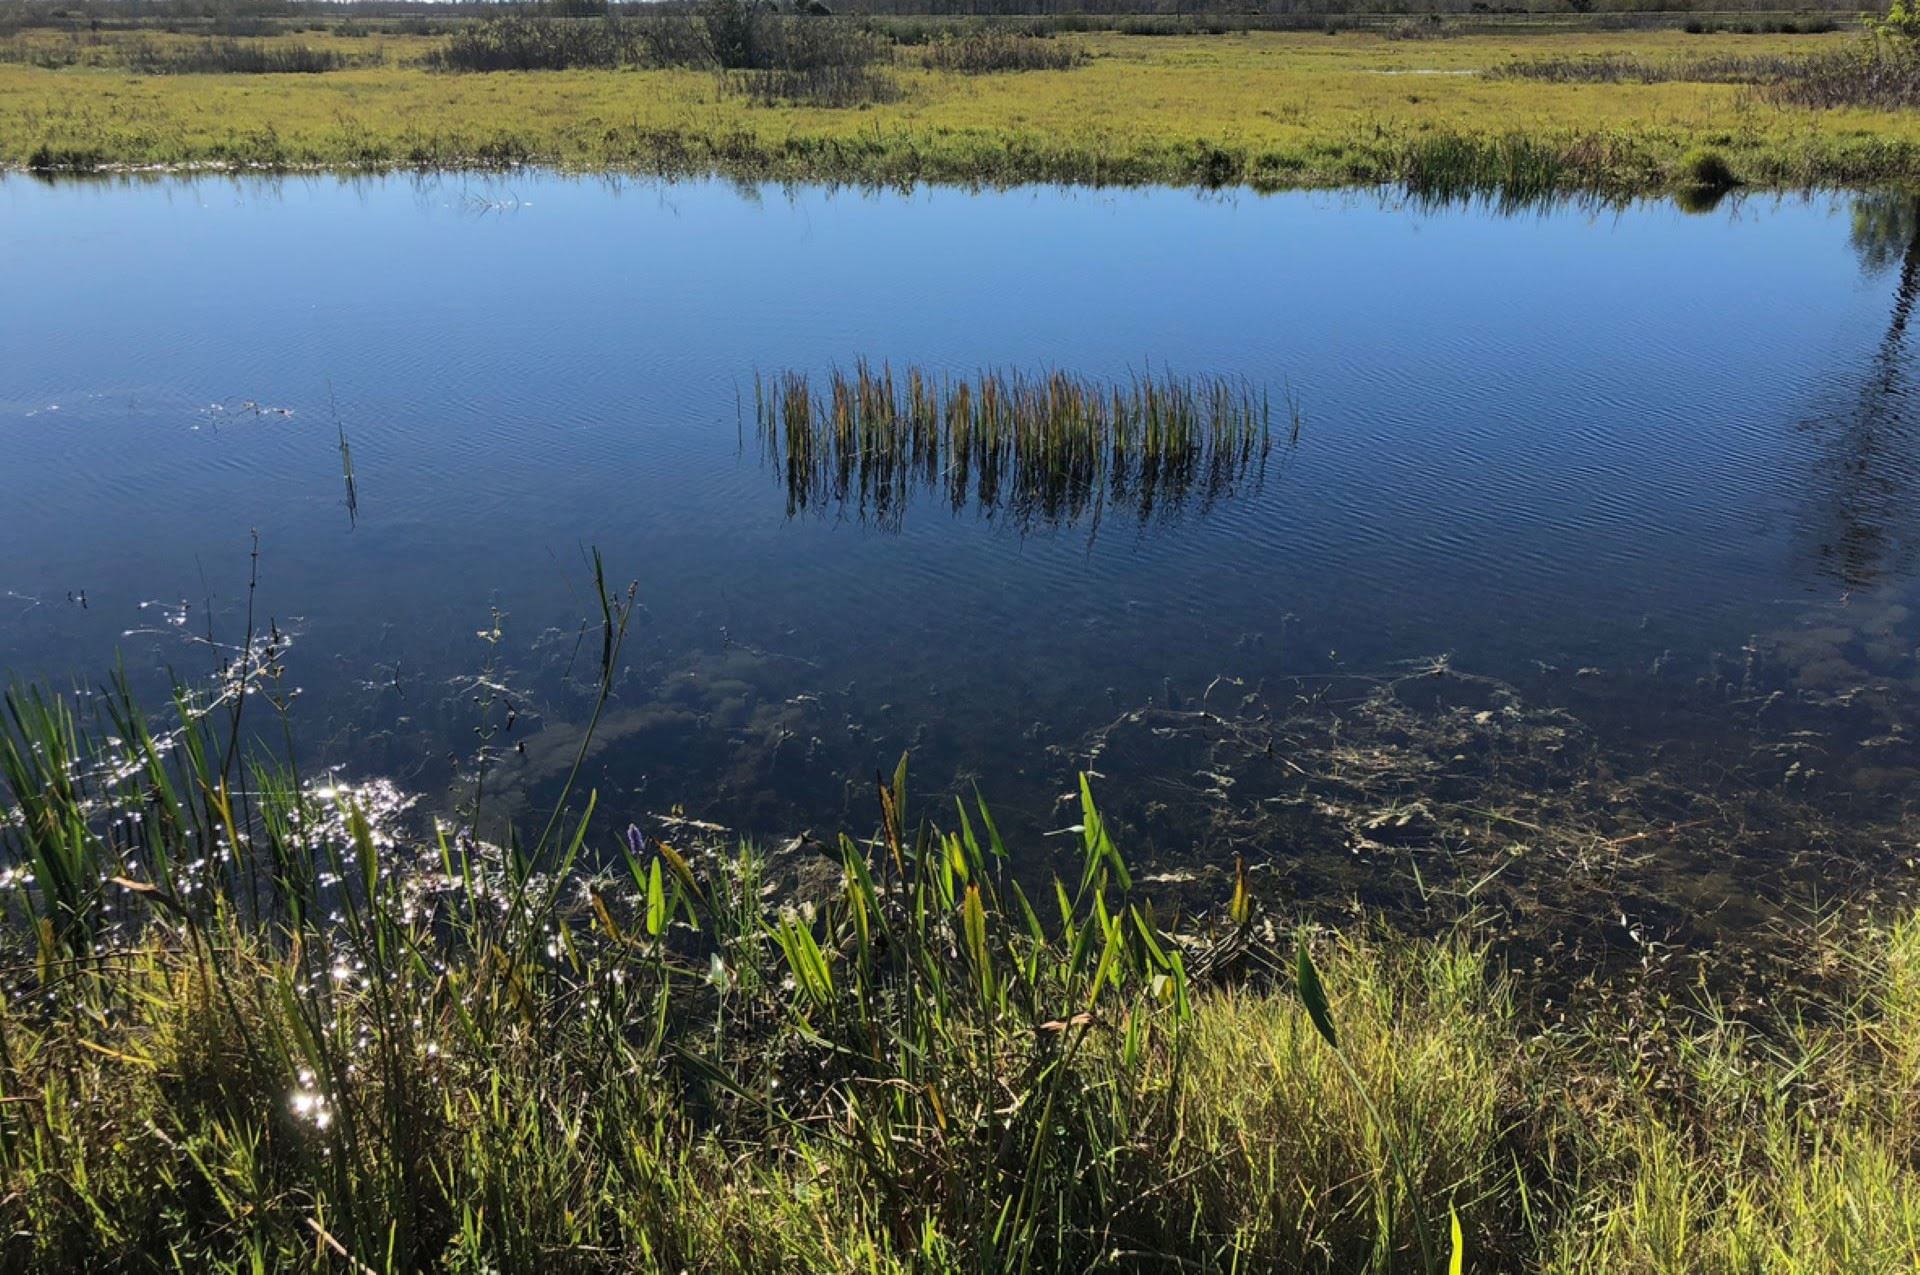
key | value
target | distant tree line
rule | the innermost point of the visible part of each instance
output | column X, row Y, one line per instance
column 18, row 13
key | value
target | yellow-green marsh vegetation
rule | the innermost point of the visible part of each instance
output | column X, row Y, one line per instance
column 1266, row 108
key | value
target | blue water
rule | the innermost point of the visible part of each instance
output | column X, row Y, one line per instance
column 1564, row 439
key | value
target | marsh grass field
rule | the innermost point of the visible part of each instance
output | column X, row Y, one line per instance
column 1265, row 108
column 1424, row 995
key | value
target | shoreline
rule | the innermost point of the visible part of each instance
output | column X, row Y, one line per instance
column 456, row 1056
column 1441, row 167
column 1693, row 199
column 1262, row 111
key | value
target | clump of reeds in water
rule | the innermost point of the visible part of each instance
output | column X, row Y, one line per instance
column 1047, row 447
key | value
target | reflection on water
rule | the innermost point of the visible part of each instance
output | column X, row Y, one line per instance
column 1867, row 479
column 1529, row 608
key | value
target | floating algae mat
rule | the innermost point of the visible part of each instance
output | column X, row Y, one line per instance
column 1047, row 448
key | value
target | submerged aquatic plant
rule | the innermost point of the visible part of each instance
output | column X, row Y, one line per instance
column 1045, row 447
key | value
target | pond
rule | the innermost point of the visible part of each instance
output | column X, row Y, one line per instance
column 1589, row 551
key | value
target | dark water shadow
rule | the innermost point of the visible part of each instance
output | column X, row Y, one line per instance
column 1867, row 472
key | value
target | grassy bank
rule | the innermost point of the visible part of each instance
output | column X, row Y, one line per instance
column 1267, row 108
column 253, row 1023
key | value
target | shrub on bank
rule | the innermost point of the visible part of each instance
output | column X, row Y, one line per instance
column 732, row 35
column 235, row 57
column 520, row 42
column 987, row 52
column 1705, row 169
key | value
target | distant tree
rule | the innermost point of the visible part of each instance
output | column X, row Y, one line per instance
column 733, row 30
column 1902, row 22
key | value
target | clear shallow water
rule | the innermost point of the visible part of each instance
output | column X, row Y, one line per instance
column 1591, row 454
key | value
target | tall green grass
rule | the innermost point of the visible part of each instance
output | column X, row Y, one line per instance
column 1044, row 448
column 326, row 1047
column 252, row 1022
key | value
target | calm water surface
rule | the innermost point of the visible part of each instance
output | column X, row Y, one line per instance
column 1588, row 453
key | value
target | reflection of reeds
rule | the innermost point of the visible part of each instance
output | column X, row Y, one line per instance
column 346, row 462
column 1047, row 447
